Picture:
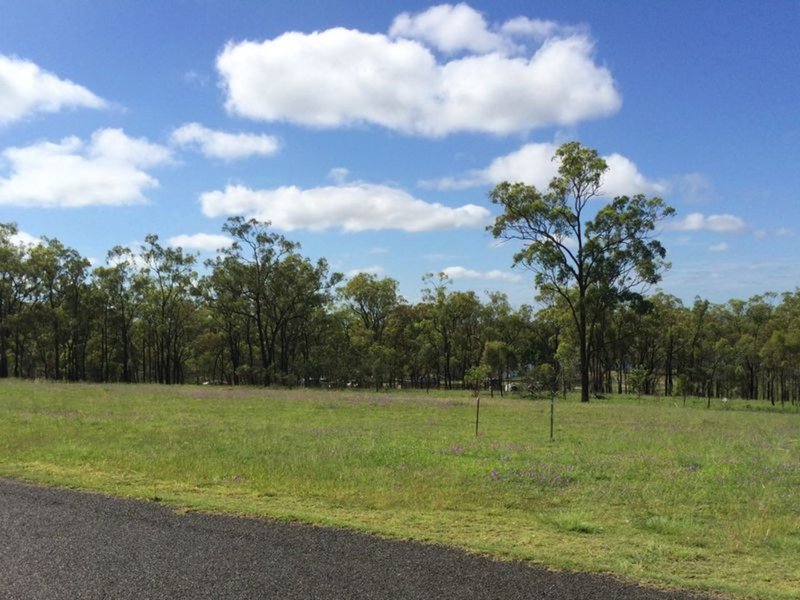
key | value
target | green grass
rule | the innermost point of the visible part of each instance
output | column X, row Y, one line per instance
column 646, row 489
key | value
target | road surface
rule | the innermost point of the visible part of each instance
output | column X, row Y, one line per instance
column 60, row 544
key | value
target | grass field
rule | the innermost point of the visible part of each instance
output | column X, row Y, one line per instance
column 646, row 489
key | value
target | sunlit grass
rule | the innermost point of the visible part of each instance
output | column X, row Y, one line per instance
column 647, row 489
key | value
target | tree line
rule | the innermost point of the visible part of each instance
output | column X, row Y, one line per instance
column 261, row 314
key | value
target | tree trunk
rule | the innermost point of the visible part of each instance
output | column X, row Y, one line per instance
column 584, row 355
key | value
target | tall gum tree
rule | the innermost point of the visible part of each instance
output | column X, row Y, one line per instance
column 578, row 257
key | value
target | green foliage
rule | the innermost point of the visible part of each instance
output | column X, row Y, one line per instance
column 475, row 377
column 637, row 380
column 261, row 313
column 543, row 378
column 373, row 300
column 588, row 263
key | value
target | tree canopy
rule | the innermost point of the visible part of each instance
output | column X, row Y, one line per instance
column 262, row 313
column 589, row 261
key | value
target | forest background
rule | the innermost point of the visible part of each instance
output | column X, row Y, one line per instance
column 262, row 313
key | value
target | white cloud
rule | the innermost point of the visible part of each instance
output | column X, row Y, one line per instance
column 227, row 146
column 537, row 29
column 113, row 146
column 624, row 179
column 721, row 247
column 133, row 258
column 338, row 175
column 350, row 207
column 533, row 164
column 694, row 187
column 25, row 89
column 108, row 170
column 449, row 29
column 200, row 241
column 373, row 270
column 342, row 77
column 493, row 275
column 760, row 234
column 22, row 238
column 718, row 223
column 460, row 28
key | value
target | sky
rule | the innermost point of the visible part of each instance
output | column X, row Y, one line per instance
column 372, row 132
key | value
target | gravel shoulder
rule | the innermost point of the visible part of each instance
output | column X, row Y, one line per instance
column 61, row 544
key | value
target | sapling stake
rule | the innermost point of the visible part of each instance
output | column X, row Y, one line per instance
column 476, row 377
column 477, row 412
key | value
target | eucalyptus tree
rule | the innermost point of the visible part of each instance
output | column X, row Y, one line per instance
column 373, row 301
column 780, row 353
column 758, row 316
column 514, row 328
column 495, row 359
column 464, row 313
column 296, row 290
column 329, row 353
column 12, row 292
column 120, row 288
column 57, row 275
column 170, row 304
column 267, row 297
column 613, row 253
column 252, row 260
column 453, row 326
column 436, row 326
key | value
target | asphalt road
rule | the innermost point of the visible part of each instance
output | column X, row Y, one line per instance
column 60, row 544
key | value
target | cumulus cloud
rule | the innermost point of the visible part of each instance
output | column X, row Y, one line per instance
column 624, row 179
column 717, row 223
column 533, row 164
column 200, row 241
column 350, row 207
column 450, row 29
column 538, row 29
column 493, row 275
column 498, row 83
column 721, row 247
column 22, row 238
column 108, row 170
column 372, row 270
column 26, row 89
column 219, row 144
column 460, row 28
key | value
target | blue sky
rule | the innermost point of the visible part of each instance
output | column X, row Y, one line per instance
column 372, row 132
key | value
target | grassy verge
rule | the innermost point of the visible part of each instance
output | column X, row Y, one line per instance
column 648, row 490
